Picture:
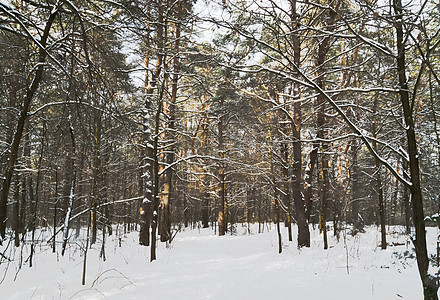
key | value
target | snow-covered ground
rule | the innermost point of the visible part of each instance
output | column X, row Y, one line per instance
column 200, row 265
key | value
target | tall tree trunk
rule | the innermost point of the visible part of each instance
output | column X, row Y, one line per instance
column 324, row 194
column 429, row 283
column 55, row 210
column 146, row 157
column 323, row 48
column 378, row 180
column 301, row 208
column 321, row 168
column 16, row 212
column 86, row 248
column 222, row 222
column 105, row 193
column 379, row 186
column 23, row 201
column 168, row 186
column 161, row 34
column 32, row 212
column 96, row 173
column 30, row 92
column 206, row 179
column 277, row 220
column 286, row 179
column 205, row 204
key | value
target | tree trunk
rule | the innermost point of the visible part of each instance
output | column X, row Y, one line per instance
column 277, row 219
column 378, row 180
column 205, row 204
column 324, row 195
column 168, row 186
column 23, row 206
column 16, row 212
column 222, row 205
column 273, row 182
column 429, row 283
column 222, row 223
column 300, row 207
column 156, row 177
column 355, row 187
column 146, row 158
column 13, row 151
column 308, row 179
column 86, row 248
column 286, row 179
column 97, row 173
column 382, row 219
column 78, row 202
column 55, row 210
column 72, row 188
column 323, row 48
column 406, row 202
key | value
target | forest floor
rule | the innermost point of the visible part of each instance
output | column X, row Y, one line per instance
column 201, row 265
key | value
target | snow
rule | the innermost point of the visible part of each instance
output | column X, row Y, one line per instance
column 200, row 265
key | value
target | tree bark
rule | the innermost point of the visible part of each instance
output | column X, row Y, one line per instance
column 222, row 223
column 168, row 186
column 16, row 212
column 323, row 48
column 146, row 158
column 205, row 204
column 72, row 188
column 429, row 283
column 55, row 210
column 160, row 59
column 324, row 195
column 300, row 206
column 378, row 179
column 97, row 173
column 286, row 178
